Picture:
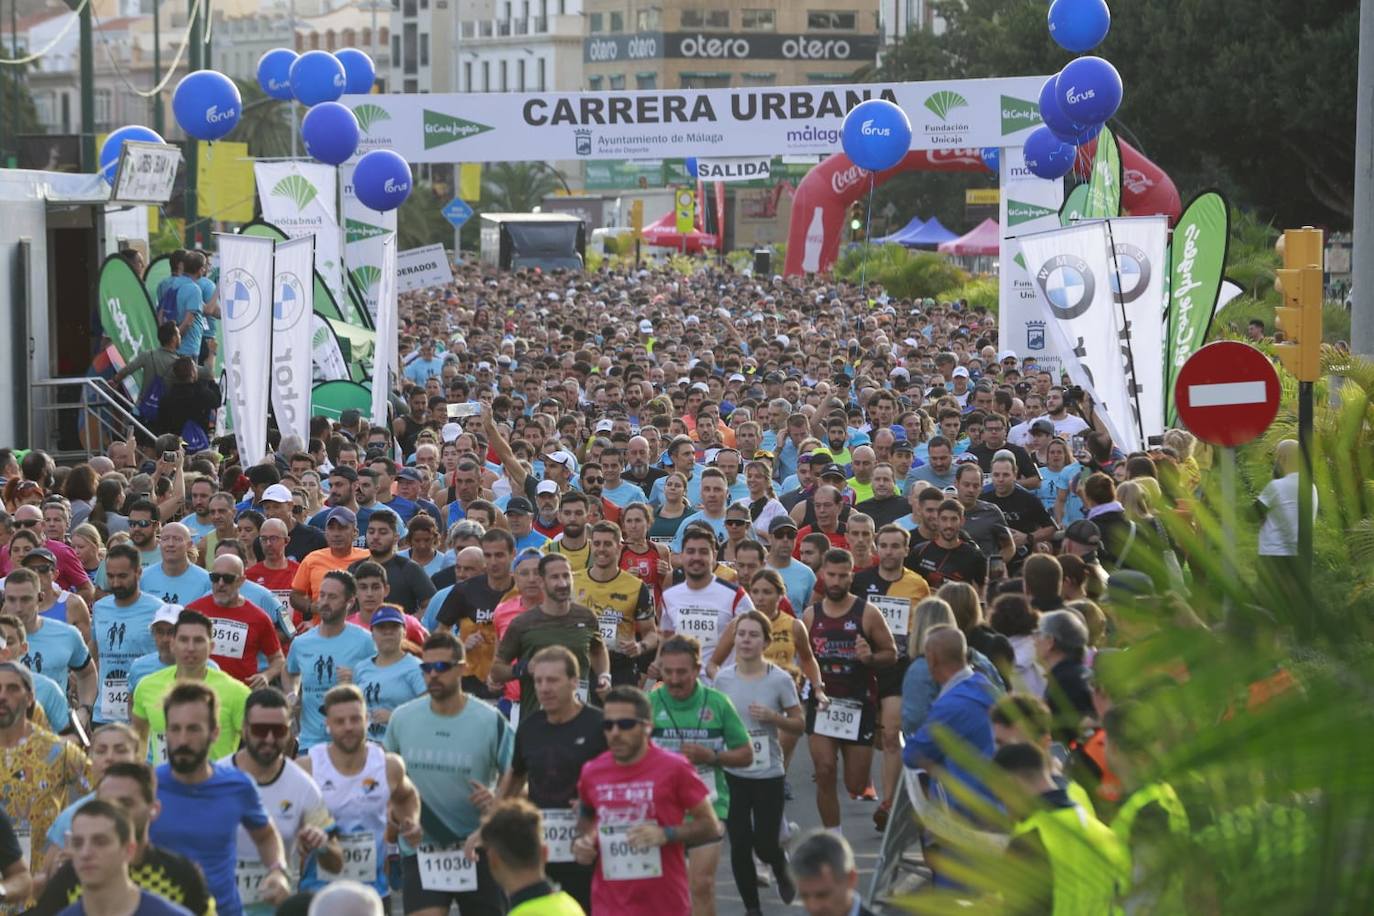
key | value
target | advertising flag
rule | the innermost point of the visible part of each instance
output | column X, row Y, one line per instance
column 364, row 231
column 292, row 328
column 1140, row 249
column 1071, row 270
column 301, row 198
column 1104, row 185
column 1197, row 259
column 126, row 310
column 384, row 367
column 245, row 297
column 1028, row 204
column 326, row 353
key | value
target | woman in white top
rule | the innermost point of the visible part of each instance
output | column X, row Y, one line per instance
column 763, row 505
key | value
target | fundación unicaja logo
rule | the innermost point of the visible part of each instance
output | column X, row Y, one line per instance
column 1018, row 114
column 296, row 189
column 1018, row 212
column 366, row 277
column 944, row 102
column 443, row 128
column 369, row 114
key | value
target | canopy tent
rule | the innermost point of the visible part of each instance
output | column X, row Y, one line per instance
column 663, row 233
column 899, row 237
column 983, row 239
column 931, row 235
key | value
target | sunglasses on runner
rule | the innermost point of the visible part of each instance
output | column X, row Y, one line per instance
column 625, row 725
column 225, row 578
column 140, row 523
column 437, row 667
column 28, row 523
column 263, row 729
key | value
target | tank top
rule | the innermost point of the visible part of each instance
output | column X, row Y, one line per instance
column 782, row 651
column 58, row 611
column 664, row 528
column 833, row 641
column 644, row 566
column 358, row 804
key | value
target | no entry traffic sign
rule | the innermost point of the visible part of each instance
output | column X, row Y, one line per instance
column 1227, row 393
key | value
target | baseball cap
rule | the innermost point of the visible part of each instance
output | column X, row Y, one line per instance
column 341, row 514
column 450, row 432
column 519, row 505
column 781, row 523
column 833, row 470
column 902, row 445
column 546, row 486
column 1006, row 355
column 562, row 458
column 604, row 426
column 167, row 613
column 1081, row 532
column 1042, row 426
column 387, row 614
column 646, row 326
column 410, row 474
column 39, row 553
column 959, row 372
column 899, row 372
column 346, row 472
column 277, row 493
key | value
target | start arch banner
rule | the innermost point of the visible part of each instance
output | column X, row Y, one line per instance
column 758, row 121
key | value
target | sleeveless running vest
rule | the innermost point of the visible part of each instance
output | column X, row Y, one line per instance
column 358, row 804
column 58, row 611
column 834, row 641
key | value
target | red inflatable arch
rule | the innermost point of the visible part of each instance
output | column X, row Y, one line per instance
column 836, row 183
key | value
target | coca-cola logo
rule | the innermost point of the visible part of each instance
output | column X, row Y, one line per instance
column 1136, row 181
column 841, row 181
column 961, row 156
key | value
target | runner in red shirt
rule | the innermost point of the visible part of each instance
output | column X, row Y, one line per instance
column 241, row 628
column 635, row 800
column 276, row 570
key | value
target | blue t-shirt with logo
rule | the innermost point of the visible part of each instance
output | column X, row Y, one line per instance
column 388, row 687
column 122, row 634
column 317, row 659
column 56, row 650
column 180, row 589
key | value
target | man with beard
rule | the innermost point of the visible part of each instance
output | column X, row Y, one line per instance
column 325, row 654
column 242, row 628
column 132, row 787
column 886, row 505
column 593, row 484
column 121, row 623
column 339, row 532
column 640, row 808
column 411, row 589
column 342, row 483
column 291, row 798
column 198, row 520
column 949, row 558
column 572, row 541
column 994, row 441
column 192, row 645
column 471, row 606
column 1066, row 425
column 638, row 471
column 939, row 469
column 557, row 621
column 450, row 743
column 551, row 747
column 623, row 604
column 204, row 803
column 364, row 789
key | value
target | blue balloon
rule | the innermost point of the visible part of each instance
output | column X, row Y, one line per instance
column 1087, row 135
column 382, row 180
column 1079, row 25
column 1060, row 124
column 992, row 159
column 875, row 135
column 114, row 144
column 274, row 73
column 359, row 71
column 330, row 132
column 207, row 105
column 317, row 76
column 1047, row 156
column 1089, row 90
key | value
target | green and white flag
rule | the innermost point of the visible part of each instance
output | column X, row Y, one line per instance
column 1104, row 185
column 126, row 310
column 1074, row 205
column 301, row 198
column 1197, row 260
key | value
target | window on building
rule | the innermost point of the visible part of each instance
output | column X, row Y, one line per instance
column 594, row 83
column 646, row 80
column 505, row 70
column 618, row 81
column 395, row 48
column 705, row 80
column 758, row 20
column 410, row 45
column 467, row 77
column 424, row 4
column 758, row 79
column 424, row 49
column 706, row 19
column 520, row 74
column 408, row 8
column 595, row 23
column 831, row 21
column 648, row 20
column 617, row 22
column 411, row 86
column 486, row 76
column 541, row 87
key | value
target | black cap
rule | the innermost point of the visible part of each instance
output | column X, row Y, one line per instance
column 519, row 505
column 1081, row 532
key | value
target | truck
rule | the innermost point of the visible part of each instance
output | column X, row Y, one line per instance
column 511, row 241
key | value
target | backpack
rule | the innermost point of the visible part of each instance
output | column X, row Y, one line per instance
column 150, row 397
column 167, row 303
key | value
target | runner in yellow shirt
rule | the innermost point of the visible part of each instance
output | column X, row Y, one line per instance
column 622, row 603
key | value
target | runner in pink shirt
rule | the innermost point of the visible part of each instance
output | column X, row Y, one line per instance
column 530, row 586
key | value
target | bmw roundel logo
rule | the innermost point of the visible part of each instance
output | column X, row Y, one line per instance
column 1068, row 284
column 240, row 298
column 289, row 303
column 1131, row 277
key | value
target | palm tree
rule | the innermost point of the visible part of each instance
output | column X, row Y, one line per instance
column 420, row 220
column 266, row 123
column 518, row 187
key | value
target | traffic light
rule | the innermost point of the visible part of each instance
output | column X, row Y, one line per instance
column 1300, row 315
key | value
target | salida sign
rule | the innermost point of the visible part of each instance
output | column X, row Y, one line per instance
column 735, row 169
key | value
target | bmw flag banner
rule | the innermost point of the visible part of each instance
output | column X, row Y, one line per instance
column 1140, row 245
column 1071, row 271
column 292, row 328
column 385, row 365
column 245, row 296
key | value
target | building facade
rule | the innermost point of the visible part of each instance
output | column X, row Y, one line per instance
column 675, row 44
column 520, row 46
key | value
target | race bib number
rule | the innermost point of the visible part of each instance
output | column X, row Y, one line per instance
column 763, row 752
column 708, row 776
column 25, row 837
column 610, row 628
column 622, row 861
column 560, row 829
column 157, row 748
column 707, row 773
column 698, row 622
column 581, row 691
column 114, row 700
column 231, row 638
column 249, row 877
column 359, row 859
column 840, row 720
column 446, row 868
column 896, row 611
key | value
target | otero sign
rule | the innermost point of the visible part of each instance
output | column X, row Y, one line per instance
column 950, row 116
column 728, row 46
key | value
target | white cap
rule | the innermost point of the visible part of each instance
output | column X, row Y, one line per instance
column 450, row 432
column 484, row 365
column 604, row 426
column 276, row 493
column 561, row 457
column 167, row 613
column 546, row 486
column 910, row 342
column 899, row 372
column 699, row 386
column 646, row 326
column 736, row 377
column 1006, row 355
column 784, row 340
column 959, row 372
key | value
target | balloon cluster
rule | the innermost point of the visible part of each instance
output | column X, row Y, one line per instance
column 1077, row 101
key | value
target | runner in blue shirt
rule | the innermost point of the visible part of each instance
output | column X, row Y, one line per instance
column 392, row 676
column 121, row 623
column 318, row 657
column 175, row 580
